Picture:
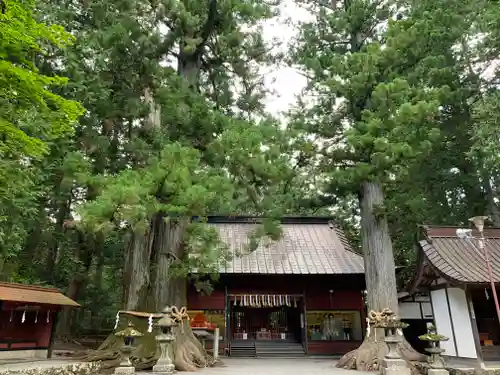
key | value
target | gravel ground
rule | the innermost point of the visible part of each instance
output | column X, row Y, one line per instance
column 234, row 366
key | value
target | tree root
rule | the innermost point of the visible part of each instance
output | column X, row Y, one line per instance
column 369, row 356
column 188, row 352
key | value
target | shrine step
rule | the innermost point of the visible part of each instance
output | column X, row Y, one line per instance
column 288, row 349
column 242, row 349
column 491, row 353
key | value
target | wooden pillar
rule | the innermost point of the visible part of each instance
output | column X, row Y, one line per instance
column 52, row 334
column 304, row 322
column 227, row 315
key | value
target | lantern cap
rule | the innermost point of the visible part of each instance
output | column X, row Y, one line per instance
column 479, row 222
column 130, row 331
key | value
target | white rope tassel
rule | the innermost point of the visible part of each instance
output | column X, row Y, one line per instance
column 117, row 320
column 23, row 318
column 150, row 323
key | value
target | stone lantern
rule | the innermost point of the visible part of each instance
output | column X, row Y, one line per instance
column 165, row 339
column 392, row 364
column 128, row 334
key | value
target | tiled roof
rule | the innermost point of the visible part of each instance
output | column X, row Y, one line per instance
column 310, row 247
column 34, row 294
column 458, row 259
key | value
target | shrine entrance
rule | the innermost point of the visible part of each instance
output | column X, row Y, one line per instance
column 266, row 318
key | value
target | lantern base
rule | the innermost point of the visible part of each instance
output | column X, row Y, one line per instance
column 124, row 370
column 438, row 371
column 164, row 368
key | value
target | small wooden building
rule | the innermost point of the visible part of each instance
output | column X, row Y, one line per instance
column 454, row 273
column 28, row 316
column 302, row 294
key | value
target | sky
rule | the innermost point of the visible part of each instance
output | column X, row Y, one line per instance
column 285, row 81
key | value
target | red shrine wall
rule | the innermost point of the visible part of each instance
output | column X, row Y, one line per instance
column 215, row 301
column 33, row 333
column 345, row 292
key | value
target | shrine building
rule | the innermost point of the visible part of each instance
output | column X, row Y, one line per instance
column 28, row 316
column 302, row 294
column 452, row 274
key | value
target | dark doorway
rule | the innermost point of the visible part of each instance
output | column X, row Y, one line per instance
column 267, row 323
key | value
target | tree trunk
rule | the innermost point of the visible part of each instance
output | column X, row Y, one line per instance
column 169, row 289
column 76, row 285
column 377, row 249
column 493, row 210
column 51, row 260
column 136, row 272
column 380, row 279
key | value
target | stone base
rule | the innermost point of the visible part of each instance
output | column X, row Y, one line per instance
column 125, row 370
column 396, row 371
column 164, row 368
column 394, row 367
column 438, row 371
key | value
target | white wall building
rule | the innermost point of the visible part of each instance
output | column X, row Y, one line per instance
column 454, row 276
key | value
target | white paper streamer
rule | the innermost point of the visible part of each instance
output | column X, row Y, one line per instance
column 368, row 327
column 36, row 317
column 117, row 320
column 48, row 317
column 11, row 315
column 150, row 323
column 23, row 318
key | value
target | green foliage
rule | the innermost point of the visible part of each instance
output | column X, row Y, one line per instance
column 32, row 118
column 174, row 183
column 31, row 115
column 373, row 105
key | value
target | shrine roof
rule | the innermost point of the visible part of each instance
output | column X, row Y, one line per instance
column 308, row 245
column 34, row 294
column 442, row 255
